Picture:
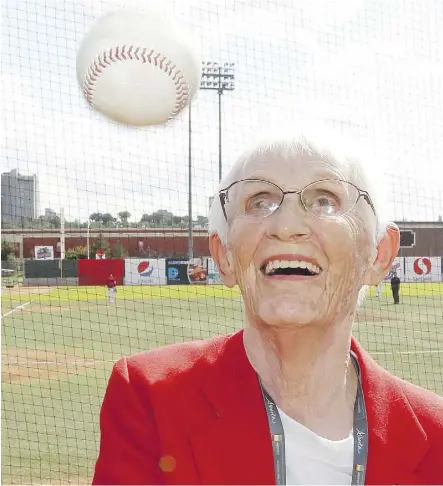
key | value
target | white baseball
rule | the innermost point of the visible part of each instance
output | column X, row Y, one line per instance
column 138, row 68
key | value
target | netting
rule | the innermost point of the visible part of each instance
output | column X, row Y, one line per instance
column 371, row 69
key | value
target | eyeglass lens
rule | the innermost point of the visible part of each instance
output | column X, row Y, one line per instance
column 258, row 199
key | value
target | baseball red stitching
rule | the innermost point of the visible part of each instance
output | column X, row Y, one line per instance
column 139, row 54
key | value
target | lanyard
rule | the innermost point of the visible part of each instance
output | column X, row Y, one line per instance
column 360, row 429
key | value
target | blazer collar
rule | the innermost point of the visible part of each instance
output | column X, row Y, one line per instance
column 234, row 446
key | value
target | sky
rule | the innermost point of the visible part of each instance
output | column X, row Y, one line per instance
column 372, row 69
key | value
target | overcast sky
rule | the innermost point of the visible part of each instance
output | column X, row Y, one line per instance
column 374, row 68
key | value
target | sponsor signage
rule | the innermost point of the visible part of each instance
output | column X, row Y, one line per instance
column 422, row 269
column 184, row 272
column 44, row 252
column 145, row 271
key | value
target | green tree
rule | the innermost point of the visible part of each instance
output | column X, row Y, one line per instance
column 146, row 220
column 162, row 218
column 118, row 251
column 8, row 252
column 96, row 217
column 108, row 219
column 124, row 217
column 202, row 221
column 78, row 253
column 177, row 220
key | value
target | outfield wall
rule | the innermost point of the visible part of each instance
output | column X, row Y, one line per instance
column 35, row 269
column 152, row 271
column 96, row 272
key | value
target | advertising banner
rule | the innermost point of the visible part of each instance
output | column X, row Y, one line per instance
column 44, row 252
column 181, row 271
column 145, row 271
column 422, row 269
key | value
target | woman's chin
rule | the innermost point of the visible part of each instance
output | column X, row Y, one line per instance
column 282, row 313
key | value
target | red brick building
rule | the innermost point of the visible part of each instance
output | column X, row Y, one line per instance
column 150, row 243
column 418, row 239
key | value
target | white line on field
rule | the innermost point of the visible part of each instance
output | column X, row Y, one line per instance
column 82, row 362
column 19, row 307
column 430, row 351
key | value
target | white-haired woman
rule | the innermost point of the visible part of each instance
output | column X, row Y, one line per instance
column 293, row 398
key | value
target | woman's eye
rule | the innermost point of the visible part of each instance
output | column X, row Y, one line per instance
column 326, row 201
column 259, row 201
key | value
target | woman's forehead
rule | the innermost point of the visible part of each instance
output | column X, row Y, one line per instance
column 296, row 169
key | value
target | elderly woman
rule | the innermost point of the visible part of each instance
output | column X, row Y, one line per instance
column 293, row 398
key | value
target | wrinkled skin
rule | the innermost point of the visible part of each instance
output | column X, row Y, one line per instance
column 298, row 331
column 343, row 247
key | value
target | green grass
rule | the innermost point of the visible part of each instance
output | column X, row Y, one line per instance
column 50, row 410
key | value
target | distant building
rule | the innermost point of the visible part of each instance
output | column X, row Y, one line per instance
column 50, row 213
column 19, row 197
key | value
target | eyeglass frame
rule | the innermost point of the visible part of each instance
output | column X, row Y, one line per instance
column 223, row 195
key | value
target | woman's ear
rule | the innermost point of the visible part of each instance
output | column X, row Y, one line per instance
column 387, row 250
column 220, row 254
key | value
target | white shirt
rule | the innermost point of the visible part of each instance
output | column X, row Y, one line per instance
column 311, row 459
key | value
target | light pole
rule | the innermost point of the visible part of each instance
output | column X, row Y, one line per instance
column 218, row 77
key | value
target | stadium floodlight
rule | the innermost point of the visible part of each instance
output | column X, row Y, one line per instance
column 215, row 77
column 218, row 77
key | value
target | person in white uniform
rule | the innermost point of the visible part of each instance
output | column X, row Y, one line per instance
column 379, row 289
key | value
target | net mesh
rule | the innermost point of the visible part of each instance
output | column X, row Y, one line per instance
column 371, row 69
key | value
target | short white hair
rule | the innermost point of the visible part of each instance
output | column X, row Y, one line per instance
column 364, row 169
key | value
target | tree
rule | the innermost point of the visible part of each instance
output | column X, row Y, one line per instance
column 124, row 217
column 162, row 218
column 118, row 251
column 202, row 221
column 97, row 217
column 146, row 220
column 78, row 253
column 8, row 251
column 177, row 220
column 108, row 219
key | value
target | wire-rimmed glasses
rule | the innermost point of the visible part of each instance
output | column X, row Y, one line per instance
column 325, row 198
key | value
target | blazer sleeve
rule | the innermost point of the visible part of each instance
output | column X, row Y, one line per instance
column 129, row 444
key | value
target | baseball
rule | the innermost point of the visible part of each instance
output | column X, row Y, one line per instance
column 138, row 68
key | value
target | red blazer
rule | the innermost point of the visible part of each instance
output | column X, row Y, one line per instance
column 193, row 414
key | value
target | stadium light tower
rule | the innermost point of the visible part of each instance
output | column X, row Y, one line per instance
column 218, row 77
column 215, row 77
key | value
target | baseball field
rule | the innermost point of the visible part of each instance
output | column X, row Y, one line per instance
column 59, row 345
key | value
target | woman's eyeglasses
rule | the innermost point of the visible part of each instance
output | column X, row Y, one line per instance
column 257, row 199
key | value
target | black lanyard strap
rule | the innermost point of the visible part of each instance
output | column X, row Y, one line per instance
column 360, row 430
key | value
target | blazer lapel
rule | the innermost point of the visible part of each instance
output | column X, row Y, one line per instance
column 397, row 441
column 234, row 445
column 231, row 443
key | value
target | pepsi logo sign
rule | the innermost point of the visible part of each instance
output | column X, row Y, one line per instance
column 422, row 266
column 145, row 269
